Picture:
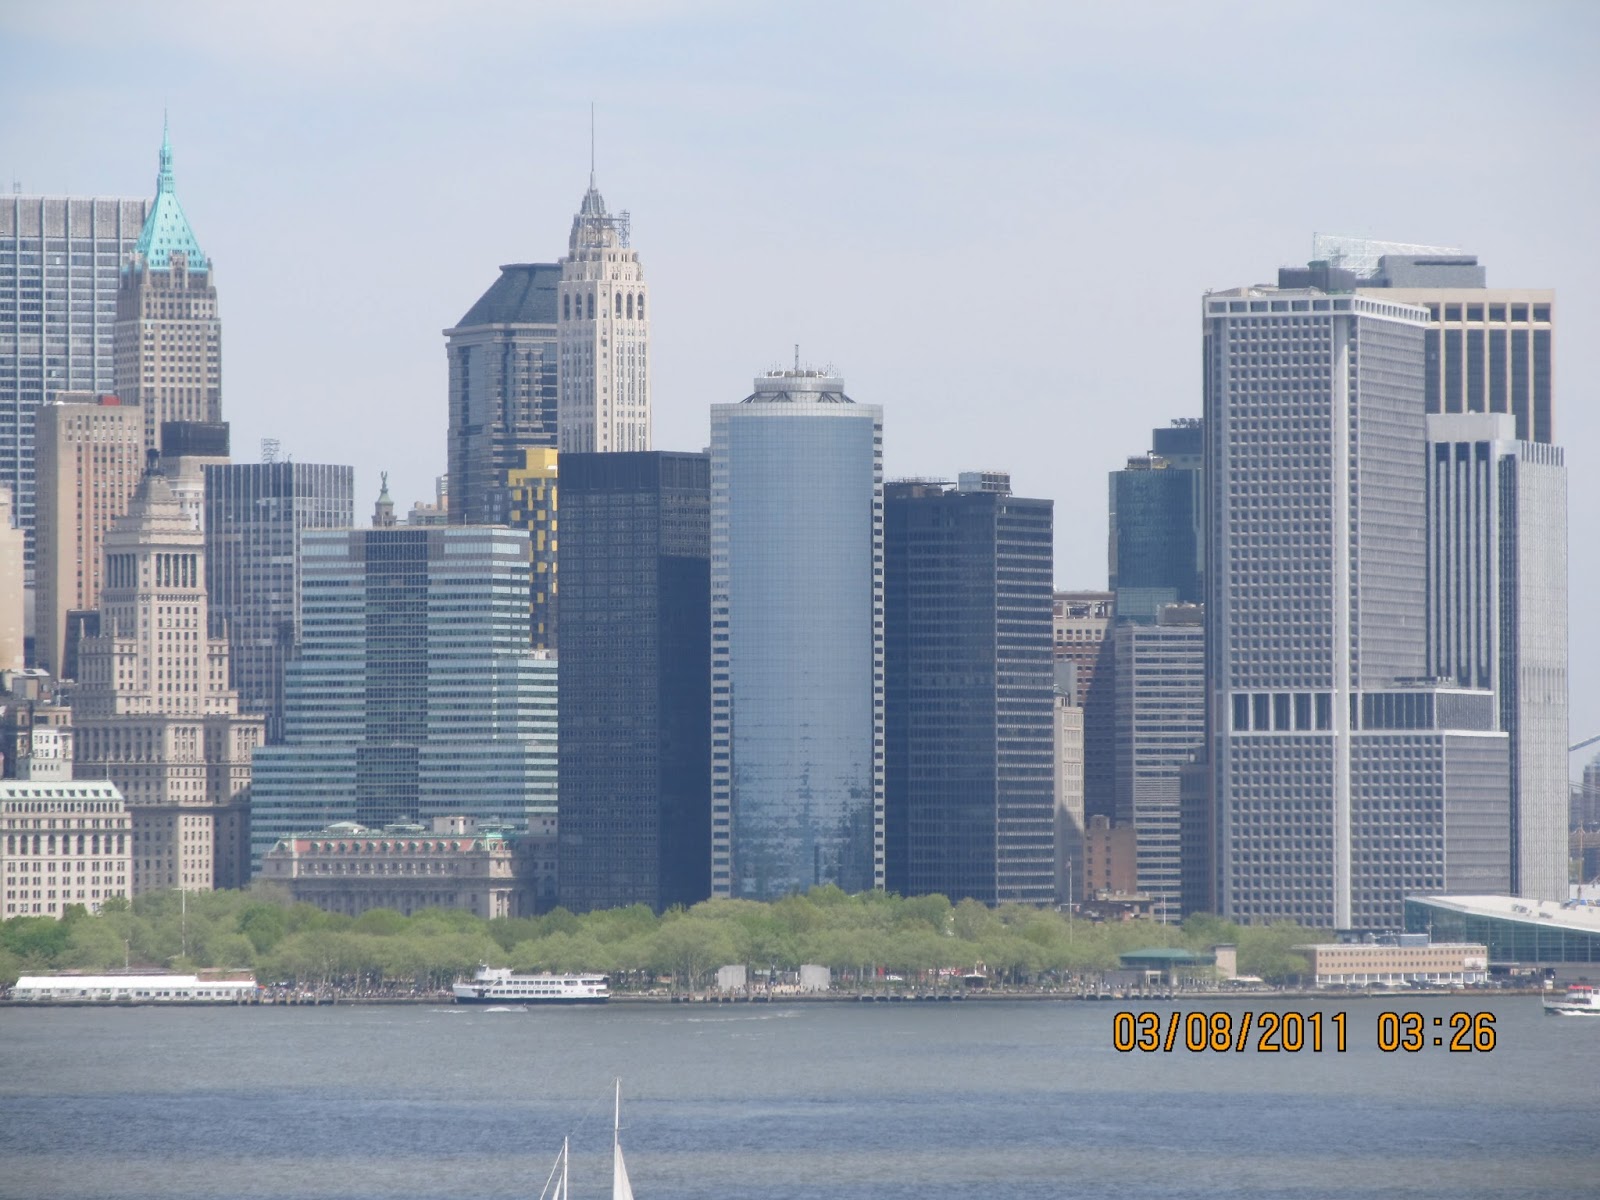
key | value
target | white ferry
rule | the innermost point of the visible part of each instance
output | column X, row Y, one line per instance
column 500, row 985
column 1581, row 1000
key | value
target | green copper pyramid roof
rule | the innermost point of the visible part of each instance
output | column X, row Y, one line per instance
column 166, row 231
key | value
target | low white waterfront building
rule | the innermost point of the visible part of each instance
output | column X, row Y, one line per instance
column 133, row 989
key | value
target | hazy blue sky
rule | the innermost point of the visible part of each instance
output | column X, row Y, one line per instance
column 997, row 221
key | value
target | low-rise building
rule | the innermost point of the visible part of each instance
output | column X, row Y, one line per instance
column 62, row 842
column 1519, row 932
column 451, row 863
column 1407, row 958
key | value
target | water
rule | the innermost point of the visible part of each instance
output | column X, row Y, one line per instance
column 1025, row 1100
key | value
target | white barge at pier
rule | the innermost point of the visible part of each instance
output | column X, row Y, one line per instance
column 133, row 989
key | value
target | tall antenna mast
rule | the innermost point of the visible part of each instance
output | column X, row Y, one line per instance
column 591, row 143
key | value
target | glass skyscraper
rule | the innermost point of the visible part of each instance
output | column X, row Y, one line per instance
column 254, row 515
column 969, row 800
column 503, row 381
column 416, row 692
column 797, row 676
column 635, row 687
column 60, row 257
column 1155, row 541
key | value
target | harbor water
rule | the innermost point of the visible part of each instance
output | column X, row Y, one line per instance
column 992, row 1099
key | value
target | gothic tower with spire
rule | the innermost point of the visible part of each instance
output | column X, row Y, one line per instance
column 168, row 338
column 603, row 399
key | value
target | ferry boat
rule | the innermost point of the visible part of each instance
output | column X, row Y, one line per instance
column 1581, row 1000
column 501, row 985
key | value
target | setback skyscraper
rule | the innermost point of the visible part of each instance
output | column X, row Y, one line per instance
column 1343, row 780
column 254, row 516
column 1155, row 542
column 604, row 376
column 503, row 388
column 969, row 798
column 797, row 760
column 153, row 712
column 416, row 693
column 168, row 337
column 635, row 748
column 60, row 257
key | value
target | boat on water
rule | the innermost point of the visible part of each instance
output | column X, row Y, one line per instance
column 503, row 986
column 1581, row 1000
column 621, row 1188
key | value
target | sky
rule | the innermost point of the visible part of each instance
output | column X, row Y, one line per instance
column 995, row 220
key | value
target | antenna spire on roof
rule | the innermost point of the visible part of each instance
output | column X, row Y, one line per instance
column 591, row 143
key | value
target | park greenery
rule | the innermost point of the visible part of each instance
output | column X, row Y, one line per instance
column 866, row 939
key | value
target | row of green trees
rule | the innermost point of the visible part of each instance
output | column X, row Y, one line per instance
column 862, row 937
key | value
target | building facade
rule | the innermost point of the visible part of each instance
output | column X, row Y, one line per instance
column 604, row 335
column 62, row 843
column 254, row 516
column 415, row 693
column 503, row 388
column 1404, row 959
column 1497, row 615
column 13, row 598
column 1084, row 646
column 60, row 257
column 450, row 863
column 168, row 337
column 969, row 795
column 1070, row 817
column 533, row 495
column 1160, row 728
column 797, row 693
column 635, row 745
column 1341, row 781
column 89, row 458
column 1155, row 537
column 153, row 712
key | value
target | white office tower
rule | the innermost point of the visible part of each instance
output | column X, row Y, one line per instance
column 797, row 672
column 1344, row 779
column 603, row 375
column 1497, row 582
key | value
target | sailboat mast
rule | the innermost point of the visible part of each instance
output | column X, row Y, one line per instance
column 616, row 1120
column 564, row 1152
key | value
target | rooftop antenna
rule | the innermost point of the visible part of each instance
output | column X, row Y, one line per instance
column 591, row 143
column 797, row 358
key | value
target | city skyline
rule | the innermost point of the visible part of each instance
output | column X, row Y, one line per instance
column 959, row 125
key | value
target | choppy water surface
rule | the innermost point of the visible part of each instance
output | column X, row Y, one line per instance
column 1025, row 1100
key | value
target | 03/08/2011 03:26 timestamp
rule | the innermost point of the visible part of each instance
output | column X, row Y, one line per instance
column 1292, row 1032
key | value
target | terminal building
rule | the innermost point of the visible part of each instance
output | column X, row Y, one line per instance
column 1518, row 932
column 1409, row 958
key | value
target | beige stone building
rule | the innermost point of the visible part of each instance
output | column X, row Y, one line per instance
column 88, row 456
column 13, row 560
column 1069, row 799
column 61, row 843
column 452, row 863
column 1409, row 958
column 168, row 339
column 153, row 710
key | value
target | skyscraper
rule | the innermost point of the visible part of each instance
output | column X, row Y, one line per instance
column 604, row 376
column 416, row 693
column 1155, row 538
column 635, row 746
column 62, row 254
column 13, row 554
column 797, row 685
column 1342, row 780
column 1160, row 727
column 153, row 712
column 89, row 458
column 503, row 388
column 1084, row 646
column 532, row 488
column 168, row 338
column 969, row 797
column 254, row 516
column 1487, row 349
column 1497, row 614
